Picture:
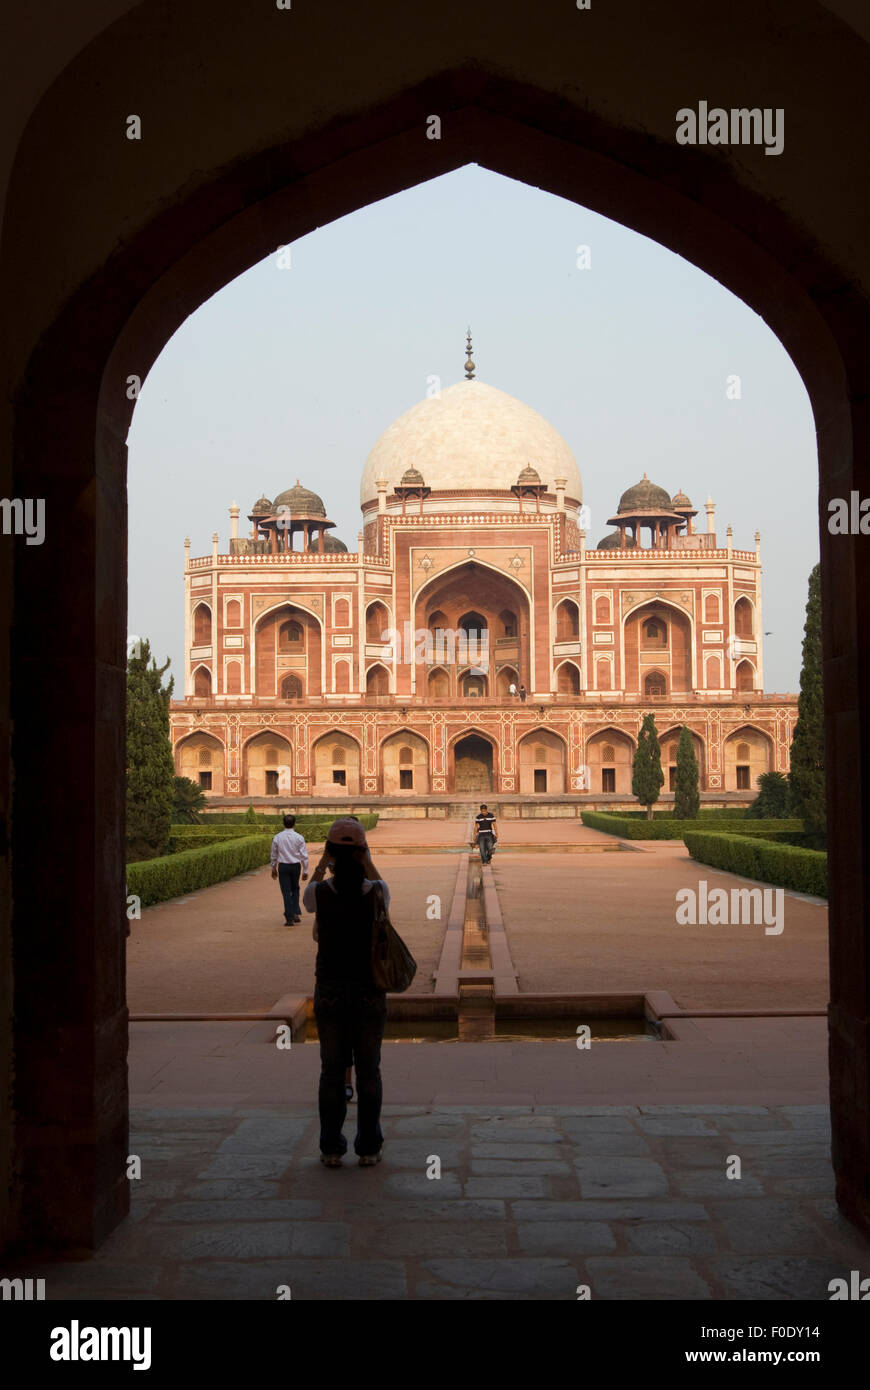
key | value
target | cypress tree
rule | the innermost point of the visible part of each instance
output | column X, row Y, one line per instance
column 646, row 773
column 150, row 769
column 687, row 797
column 807, row 779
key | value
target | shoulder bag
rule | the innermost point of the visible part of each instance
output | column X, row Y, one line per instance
column 393, row 966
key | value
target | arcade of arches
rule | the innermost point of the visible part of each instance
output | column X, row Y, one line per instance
column 520, row 756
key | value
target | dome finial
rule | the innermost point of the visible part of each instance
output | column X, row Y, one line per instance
column 469, row 365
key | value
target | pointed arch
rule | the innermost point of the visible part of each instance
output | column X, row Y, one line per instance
column 568, row 678
column 567, row 621
column 201, row 757
column 438, row 683
column 543, row 763
column 377, row 679
column 404, row 761
column 336, row 759
column 202, row 624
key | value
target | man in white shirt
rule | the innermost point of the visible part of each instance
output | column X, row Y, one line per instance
column 289, row 859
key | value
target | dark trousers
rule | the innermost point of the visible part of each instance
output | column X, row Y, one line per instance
column 350, row 1019
column 288, row 879
column 485, row 843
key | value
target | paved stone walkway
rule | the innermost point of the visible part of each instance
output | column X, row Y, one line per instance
column 606, row 923
column 558, row 1167
column 631, row 1201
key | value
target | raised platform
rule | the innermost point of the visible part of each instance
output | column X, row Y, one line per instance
column 459, row 806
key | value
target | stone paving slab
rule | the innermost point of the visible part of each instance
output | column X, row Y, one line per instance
column 561, row 1205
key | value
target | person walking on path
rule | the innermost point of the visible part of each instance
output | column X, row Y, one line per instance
column 289, row 859
column 350, row 1010
column 485, row 834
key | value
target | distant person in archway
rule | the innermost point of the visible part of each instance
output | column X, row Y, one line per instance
column 523, row 693
column 512, row 690
column 289, row 859
column 350, row 1010
column 485, row 834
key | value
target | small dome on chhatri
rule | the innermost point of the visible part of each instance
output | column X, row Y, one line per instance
column 262, row 506
column 412, row 477
column 530, row 477
column 300, row 501
column 645, row 497
column 613, row 541
column 333, row 546
column 680, row 499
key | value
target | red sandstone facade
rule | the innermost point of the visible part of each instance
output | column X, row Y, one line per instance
column 310, row 675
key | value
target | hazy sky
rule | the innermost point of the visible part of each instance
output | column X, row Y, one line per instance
column 294, row 373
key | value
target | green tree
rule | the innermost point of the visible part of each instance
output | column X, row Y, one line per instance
column 774, row 798
column 251, row 815
column 150, row 769
column 807, row 779
column 647, row 777
column 687, row 797
column 188, row 801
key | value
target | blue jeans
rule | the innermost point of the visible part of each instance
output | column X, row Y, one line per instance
column 485, row 842
column 288, row 881
column 350, row 1019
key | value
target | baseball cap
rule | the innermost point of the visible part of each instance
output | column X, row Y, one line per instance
column 347, row 832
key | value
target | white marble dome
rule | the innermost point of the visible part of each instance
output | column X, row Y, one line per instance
column 473, row 437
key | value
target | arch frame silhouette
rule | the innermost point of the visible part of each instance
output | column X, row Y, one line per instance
column 176, row 253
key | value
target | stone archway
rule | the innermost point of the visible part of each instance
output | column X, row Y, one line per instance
column 746, row 754
column 405, row 764
column 165, row 233
column 335, row 758
column 543, row 760
column 609, row 757
column 201, row 758
column 267, row 766
column 472, row 764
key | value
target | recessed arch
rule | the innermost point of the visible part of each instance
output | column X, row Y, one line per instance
column 747, row 752
column 267, row 764
column 568, row 678
column 744, row 617
column 567, row 617
column 201, row 682
column 209, row 776
column 377, row 679
column 404, row 760
column 745, row 676
column 438, row 683
column 609, row 757
column 278, row 652
column 473, row 766
column 378, row 622
column 336, row 759
column 202, row 624
column 543, row 763
column 669, row 651
column 507, row 676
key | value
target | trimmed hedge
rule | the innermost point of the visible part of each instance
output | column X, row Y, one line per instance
column 705, row 813
column 236, row 824
column 173, row 875
column 670, row 829
column 312, row 828
column 802, row 870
